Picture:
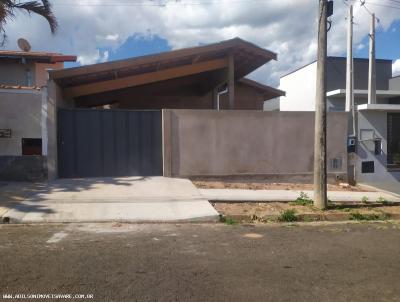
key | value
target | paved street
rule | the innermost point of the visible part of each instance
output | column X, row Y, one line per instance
column 203, row 262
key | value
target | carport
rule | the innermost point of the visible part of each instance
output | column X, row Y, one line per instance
column 107, row 118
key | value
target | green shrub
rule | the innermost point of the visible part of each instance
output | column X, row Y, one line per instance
column 382, row 200
column 303, row 200
column 364, row 199
column 227, row 220
column 364, row 217
column 288, row 215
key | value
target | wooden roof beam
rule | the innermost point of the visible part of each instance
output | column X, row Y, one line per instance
column 145, row 78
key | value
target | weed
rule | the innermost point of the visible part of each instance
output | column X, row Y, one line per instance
column 230, row 221
column 382, row 200
column 302, row 200
column 365, row 217
column 309, row 219
column 288, row 215
column 338, row 208
column 364, row 199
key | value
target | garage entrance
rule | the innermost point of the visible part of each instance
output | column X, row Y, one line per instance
column 98, row 142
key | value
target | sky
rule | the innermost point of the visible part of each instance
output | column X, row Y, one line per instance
column 105, row 30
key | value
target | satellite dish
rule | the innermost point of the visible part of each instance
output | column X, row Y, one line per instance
column 23, row 44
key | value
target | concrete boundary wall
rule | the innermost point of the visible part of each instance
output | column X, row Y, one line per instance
column 230, row 143
column 22, row 110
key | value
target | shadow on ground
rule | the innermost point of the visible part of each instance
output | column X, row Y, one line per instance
column 13, row 195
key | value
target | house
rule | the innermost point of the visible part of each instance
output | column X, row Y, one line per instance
column 187, row 112
column 377, row 125
column 23, row 100
column 300, row 85
column 29, row 69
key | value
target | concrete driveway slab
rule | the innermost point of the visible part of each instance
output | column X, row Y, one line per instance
column 126, row 199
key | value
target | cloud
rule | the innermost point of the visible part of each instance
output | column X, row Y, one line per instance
column 396, row 68
column 95, row 57
column 360, row 46
column 287, row 27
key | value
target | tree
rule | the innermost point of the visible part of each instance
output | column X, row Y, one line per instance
column 8, row 9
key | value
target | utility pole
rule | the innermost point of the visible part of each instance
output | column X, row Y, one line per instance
column 371, row 72
column 320, row 176
column 349, row 63
column 350, row 106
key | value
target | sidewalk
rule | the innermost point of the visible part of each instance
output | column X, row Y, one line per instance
column 290, row 195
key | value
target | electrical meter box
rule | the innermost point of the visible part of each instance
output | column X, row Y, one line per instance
column 351, row 143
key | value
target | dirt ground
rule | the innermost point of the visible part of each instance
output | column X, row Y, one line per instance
column 260, row 185
column 271, row 211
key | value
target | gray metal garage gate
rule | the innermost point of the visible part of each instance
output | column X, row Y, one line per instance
column 95, row 142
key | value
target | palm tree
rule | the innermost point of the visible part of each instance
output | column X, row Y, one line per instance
column 8, row 10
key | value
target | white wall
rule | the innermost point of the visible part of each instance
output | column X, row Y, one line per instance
column 20, row 111
column 394, row 83
column 300, row 87
column 377, row 121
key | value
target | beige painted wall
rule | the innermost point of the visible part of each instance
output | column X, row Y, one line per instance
column 20, row 111
column 206, row 142
column 41, row 73
column 15, row 73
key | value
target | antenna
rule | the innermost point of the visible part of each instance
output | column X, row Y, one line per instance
column 23, row 44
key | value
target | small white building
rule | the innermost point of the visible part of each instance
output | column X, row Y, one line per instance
column 299, row 85
column 378, row 125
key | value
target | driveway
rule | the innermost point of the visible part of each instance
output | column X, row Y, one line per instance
column 391, row 186
column 131, row 199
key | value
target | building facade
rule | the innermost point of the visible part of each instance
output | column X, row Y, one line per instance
column 23, row 112
column 300, row 88
column 377, row 159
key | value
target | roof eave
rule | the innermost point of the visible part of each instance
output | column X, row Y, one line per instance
column 148, row 59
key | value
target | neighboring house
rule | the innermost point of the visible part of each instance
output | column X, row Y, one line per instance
column 23, row 103
column 299, row 85
column 378, row 124
column 29, row 69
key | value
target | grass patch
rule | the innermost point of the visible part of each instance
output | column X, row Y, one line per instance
column 345, row 209
column 288, row 216
column 228, row 220
column 302, row 200
column 365, row 217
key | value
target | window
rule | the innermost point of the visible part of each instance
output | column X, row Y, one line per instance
column 367, row 167
column 31, row 146
column 393, row 141
column 336, row 163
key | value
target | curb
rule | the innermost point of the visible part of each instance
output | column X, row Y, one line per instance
column 309, row 217
column 205, row 219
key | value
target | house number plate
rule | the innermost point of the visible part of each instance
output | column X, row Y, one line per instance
column 5, row 133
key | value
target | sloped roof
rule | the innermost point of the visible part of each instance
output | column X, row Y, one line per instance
column 247, row 58
column 44, row 57
column 268, row 90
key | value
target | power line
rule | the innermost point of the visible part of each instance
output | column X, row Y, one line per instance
column 384, row 4
column 149, row 3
